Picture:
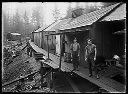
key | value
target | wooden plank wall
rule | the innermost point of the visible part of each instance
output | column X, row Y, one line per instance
column 37, row 38
column 51, row 42
column 106, row 42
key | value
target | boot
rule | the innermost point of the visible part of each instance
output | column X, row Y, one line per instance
column 90, row 75
column 97, row 76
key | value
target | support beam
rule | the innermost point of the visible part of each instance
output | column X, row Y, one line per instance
column 60, row 52
column 48, row 49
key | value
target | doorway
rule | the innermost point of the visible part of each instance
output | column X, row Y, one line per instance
column 81, row 37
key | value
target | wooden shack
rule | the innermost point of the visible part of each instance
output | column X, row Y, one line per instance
column 13, row 37
column 37, row 38
column 52, row 42
column 89, row 25
column 92, row 26
column 101, row 26
column 102, row 32
column 40, row 39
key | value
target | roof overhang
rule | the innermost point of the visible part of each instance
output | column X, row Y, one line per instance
column 118, row 14
column 76, row 30
column 89, row 18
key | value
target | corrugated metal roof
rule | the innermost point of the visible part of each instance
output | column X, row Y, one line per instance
column 118, row 14
column 88, row 19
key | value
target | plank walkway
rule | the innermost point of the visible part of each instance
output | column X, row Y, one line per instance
column 104, row 82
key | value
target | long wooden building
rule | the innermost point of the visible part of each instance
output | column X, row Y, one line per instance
column 99, row 25
column 103, row 26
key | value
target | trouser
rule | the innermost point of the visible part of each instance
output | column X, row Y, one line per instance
column 75, row 59
column 96, row 70
column 92, row 66
column 28, row 51
column 90, row 61
column 31, row 52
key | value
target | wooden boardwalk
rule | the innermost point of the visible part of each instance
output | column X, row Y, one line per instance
column 104, row 82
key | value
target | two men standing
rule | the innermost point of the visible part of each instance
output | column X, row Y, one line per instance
column 90, row 55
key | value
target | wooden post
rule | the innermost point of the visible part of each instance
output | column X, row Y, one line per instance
column 42, row 38
column 60, row 52
column 30, row 52
column 51, row 80
column 48, row 48
column 42, row 72
column 32, row 36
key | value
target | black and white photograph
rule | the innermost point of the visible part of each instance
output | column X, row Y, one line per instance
column 63, row 47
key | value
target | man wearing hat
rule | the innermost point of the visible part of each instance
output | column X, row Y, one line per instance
column 75, row 52
column 90, row 55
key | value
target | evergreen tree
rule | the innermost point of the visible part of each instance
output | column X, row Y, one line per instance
column 36, row 18
column 26, row 23
column 16, row 21
column 7, row 23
